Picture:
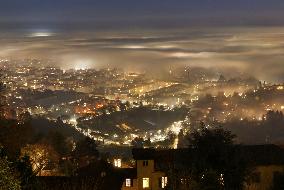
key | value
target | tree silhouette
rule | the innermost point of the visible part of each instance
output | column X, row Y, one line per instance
column 8, row 177
column 213, row 150
column 86, row 147
column 85, row 152
column 40, row 156
column 26, row 174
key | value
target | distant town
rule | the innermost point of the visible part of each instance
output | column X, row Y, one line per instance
column 65, row 120
column 115, row 107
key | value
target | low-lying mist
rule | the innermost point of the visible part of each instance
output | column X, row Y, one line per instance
column 257, row 51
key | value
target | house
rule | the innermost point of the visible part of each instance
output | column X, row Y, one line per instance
column 268, row 163
column 149, row 173
column 155, row 168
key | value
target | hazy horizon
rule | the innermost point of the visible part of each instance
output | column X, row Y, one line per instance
column 241, row 36
column 239, row 49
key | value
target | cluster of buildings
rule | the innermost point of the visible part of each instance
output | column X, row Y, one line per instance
column 158, row 169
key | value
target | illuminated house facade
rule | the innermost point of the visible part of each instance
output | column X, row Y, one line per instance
column 268, row 162
column 147, row 175
column 150, row 170
column 153, row 168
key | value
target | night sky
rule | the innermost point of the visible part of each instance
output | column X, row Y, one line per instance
column 141, row 11
column 233, row 35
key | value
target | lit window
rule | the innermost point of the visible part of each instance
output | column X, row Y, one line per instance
column 146, row 183
column 117, row 163
column 145, row 163
column 128, row 183
column 163, row 182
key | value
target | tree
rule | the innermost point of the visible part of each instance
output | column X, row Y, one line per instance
column 171, row 136
column 137, row 142
column 8, row 177
column 58, row 142
column 8, row 180
column 26, row 174
column 40, row 156
column 86, row 147
column 213, row 150
column 181, row 139
column 85, row 151
column 24, row 118
column 14, row 137
column 95, row 169
column 210, row 181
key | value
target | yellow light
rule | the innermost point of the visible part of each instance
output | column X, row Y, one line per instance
column 146, row 183
column 117, row 163
column 280, row 88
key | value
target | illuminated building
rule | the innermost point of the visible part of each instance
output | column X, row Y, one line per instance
column 148, row 175
column 152, row 166
column 117, row 163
